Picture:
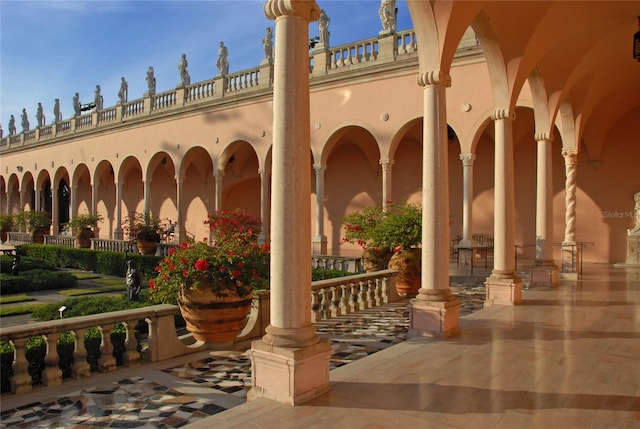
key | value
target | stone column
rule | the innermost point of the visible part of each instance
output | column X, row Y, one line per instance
column 467, row 198
column 320, row 240
column 55, row 210
column 290, row 364
column 265, row 207
column 179, row 233
column 218, row 175
column 94, row 202
column 73, row 202
column 570, row 251
column 386, row 181
column 147, row 194
column 544, row 271
column 117, row 233
column 435, row 310
column 504, row 286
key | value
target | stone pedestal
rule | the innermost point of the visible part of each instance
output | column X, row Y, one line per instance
column 633, row 250
column 289, row 375
column 544, row 274
column 434, row 318
column 503, row 289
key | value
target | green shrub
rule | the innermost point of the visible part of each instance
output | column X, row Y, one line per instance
column 25, row 264
column 36, row 280
column 84, row 306
column 324, row 274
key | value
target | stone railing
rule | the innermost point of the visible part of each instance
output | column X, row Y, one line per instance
column 330, row 298
column 341, row 263
column 113, row 245
column 14, row 237
column 61, row 240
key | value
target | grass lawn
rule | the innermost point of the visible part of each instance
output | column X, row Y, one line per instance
column 89, row 291
column 14, row 310
column 10, row 299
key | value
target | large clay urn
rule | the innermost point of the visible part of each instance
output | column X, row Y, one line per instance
column 408, row 264
column 84, row 237
column 375, row 259
column 214, row 317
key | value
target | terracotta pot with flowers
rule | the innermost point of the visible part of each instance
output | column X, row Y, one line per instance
column 145, row 229
column 396, row 229
column 358, row 228
column 213, row 284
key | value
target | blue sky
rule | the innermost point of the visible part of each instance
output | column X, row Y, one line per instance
column 53, row 49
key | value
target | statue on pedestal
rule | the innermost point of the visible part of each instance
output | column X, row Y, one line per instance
column 323, row 28
column 40, row 115
column 132, row 281
column 25, row 121
column 76, row 105
column 123, row 93
column 387, row 14
column 97, row 99
column 12, row 126
column 57, row 116
column 268, row 45
column 223, row 61
column 185, row 79
column 151, row 82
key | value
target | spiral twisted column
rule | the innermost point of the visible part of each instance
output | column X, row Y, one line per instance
column 504, row 286
column 290, row 363
column 435, row 311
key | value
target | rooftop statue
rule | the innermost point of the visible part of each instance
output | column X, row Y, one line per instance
column 223, row 61
column 12, row 126
column 124, row 91
column 185, row 79
column 76, row 105
column 97, row 99
column 387, row 14
column 323, row 28
column 25, row 121
column 268, row 45
column 57, row 116
column 40, row 115
column 151, row 82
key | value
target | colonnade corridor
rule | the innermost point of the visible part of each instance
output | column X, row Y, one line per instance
column 567, row 357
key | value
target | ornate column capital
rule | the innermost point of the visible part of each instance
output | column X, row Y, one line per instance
column 319, row 168
column 570, row 155
column 434, row 77
column 543, row 136
column 305, row 9
column 467, row 159
column 386, row 164
column 503, row 114
column 178, row 178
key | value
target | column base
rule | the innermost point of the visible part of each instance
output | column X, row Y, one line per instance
column 544, row 274
column 319, row 245
column 289, row 375
column 503, row 288
column 434, row 318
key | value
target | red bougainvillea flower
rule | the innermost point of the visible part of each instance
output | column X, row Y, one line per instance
column 185, row 273
column 152, row 284
column 201, row 264
column 235, row 274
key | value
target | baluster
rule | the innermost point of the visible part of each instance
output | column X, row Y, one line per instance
column 378, row 291
column 131, row 355
column 386, row 295
column 52, row 374
column 334, row 60
column 362, row 299
column 403, row 46
column 344, row 299
column 324, row 306
column 370, row 293
column 106, row 362
column 334, row 310
column 353, row 299
column 80, row 368
column 315, row 306
column 21, row 380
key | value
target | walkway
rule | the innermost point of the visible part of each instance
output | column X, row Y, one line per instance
column 566, row 358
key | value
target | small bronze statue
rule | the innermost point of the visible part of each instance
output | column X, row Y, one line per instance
column 132, row 280
column 15, row 266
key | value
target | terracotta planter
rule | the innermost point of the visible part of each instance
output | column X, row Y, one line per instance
column 408, row 264
column 3, row 234
column 37, row 235
column 146, row 247
column 84, row 237
column 212, row 318
column 375, row 259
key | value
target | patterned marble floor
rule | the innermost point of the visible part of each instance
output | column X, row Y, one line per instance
column 139, row 402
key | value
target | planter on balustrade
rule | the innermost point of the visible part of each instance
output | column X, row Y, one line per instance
column 37, row 235
column 146, row 247
column 214, row 317
column 408, row 264
column 83, row 237
column 376, row 258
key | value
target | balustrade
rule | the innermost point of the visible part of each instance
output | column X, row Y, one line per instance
column 133, row 108
column 201, row 90
column 64, row 127
column 341, row 263
column 407, row 42
column 61, row 240
column 330, row 298
column 113, row 245
column 29, row 135
column 84, row 121
column 163, row 100
column 242, row 80
column 107, row 115
column 14, row 237
column 47, row 130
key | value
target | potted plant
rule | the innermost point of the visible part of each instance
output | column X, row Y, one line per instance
column 83, row 226
column 36, row 222
column 358, row 229
column 395, row 230
column 145, row 230
column 213, row 284
column 7, row 223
